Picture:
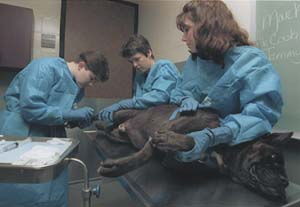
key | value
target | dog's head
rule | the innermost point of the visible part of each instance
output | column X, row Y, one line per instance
column 259, row 165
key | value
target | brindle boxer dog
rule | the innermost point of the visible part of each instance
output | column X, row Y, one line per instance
column 259, row 164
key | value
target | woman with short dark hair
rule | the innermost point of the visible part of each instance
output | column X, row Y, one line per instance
column 153, row 80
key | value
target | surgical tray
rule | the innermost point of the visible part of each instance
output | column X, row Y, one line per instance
column 10, row 173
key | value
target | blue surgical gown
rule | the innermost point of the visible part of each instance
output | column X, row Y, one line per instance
column 246, row 92
column 35, row 100
column 155, row 87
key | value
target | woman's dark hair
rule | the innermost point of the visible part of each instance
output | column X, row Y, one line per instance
column 96, row 62
column 215, row 29
column 136, row 44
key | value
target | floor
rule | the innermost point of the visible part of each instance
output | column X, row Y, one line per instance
column 112, row 194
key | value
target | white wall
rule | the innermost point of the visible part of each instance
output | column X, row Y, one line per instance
column 157, row 21
column 46, row 20
column 245, row 13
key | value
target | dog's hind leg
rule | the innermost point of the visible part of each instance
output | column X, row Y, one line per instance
column 118, row 167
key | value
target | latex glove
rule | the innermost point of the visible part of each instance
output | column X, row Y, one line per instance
column 204, row 139
column 81, row 114
column 107, row 113
column 189, row 104
column 169, row 141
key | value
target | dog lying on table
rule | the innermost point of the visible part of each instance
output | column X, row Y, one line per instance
column 258, row 165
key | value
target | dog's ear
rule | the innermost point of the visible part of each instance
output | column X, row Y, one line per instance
column 277, row 139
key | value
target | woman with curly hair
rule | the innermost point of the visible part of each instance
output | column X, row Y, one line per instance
column 227, row 73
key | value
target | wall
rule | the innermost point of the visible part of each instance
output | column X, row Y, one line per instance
column 46, row 20
column 157, row 21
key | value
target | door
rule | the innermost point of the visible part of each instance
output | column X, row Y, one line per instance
column 104, row 25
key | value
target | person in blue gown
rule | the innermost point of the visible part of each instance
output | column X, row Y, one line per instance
column 154, row 79
column 224, row 72
column 38, row 102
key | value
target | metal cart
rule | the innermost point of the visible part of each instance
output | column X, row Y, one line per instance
column 10, row 172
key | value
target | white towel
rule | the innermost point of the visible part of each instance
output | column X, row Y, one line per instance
column 39, row 155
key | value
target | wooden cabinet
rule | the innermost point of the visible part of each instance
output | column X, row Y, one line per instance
column 16, row 36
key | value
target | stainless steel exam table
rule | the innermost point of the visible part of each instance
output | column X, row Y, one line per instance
column 154, row 185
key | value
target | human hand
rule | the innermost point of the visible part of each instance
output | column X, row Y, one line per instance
column 201, row 143
column 81, row 114
column 169, row 141
column 188, row 104
column 106, row 114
